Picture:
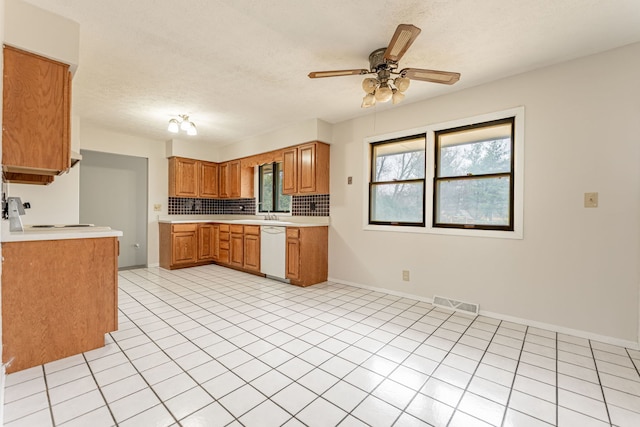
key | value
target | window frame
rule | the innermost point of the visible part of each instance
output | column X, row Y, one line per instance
column 510, row 175
column 373, row 183
column 518, row 169
column 276, row 169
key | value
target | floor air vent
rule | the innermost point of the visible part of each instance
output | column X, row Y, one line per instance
column 452, row 304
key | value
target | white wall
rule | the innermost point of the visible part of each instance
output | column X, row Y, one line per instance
column 299, row 133
column 44, row 33
column 575, row 268
column 106, row 141
column 200, row 150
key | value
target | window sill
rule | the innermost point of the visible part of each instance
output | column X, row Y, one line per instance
column 492, row 234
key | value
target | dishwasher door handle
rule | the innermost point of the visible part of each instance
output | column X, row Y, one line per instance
column 272, row 229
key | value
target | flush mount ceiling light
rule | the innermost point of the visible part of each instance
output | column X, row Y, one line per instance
column 383, row 63
column 182, row 123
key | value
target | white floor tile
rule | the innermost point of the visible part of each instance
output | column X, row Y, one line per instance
column 213, row 415
column 293, row 398
column 321, row 413
column 263, row 351
column 376, row 412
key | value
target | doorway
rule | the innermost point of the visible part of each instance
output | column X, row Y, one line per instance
column 113, row 192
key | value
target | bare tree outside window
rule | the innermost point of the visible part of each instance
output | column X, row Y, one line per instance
column 397, row 182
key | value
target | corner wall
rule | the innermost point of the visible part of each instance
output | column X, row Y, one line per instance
column 576, row 268
column 107, row 141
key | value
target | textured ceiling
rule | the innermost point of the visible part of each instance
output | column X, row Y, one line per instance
column 239, row 68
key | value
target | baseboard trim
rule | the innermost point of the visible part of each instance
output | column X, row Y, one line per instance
column 534, row 323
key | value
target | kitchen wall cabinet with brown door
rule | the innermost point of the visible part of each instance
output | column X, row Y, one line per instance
column 306, row 169
column 59, row 298
column 192, row 178
column 209, row 180
column 307, row 255
column 36, row 117
column 236, row 181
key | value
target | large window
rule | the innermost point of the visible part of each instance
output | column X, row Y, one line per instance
column 270, row 181
column 463, row 177
column 473, row 183
column 396, row 187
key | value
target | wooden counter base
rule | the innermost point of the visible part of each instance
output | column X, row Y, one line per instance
column 59, row 298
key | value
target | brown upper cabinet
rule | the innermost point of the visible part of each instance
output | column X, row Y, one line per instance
column 209, row 179
column 236, row 181
column 183, row 177
column 36, row 117
column 306, row 169
column 192, row 178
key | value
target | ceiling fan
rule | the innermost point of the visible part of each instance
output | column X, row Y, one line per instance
column 384, row 62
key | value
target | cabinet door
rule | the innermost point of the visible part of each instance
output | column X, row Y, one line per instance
column 236, row 251
column 206, row 242
column 307, row 168
column 293, row 259
column 252, row 252
column 223, row 247
column 290, row 171
column 235, row 180
column 184, row 248
column 183, row 177
column 208, row 179
column 224, row 180
column 36, row 114
column 216, row 242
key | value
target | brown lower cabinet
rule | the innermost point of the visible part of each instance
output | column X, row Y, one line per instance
column 188, row 245
column 238, row 246
column 59, row 298
column 307, row 254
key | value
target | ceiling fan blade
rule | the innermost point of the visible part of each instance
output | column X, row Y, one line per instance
column 336, row 73
column 433, row 76
column 403, row 38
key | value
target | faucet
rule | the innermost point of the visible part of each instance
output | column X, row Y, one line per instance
column 268, row 216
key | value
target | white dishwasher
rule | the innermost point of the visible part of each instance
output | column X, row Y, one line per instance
column 273, row 241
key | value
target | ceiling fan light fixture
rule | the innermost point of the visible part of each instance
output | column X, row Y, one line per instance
column 397, row 96
column 383, row 93
column 369, row 84
column 402, row 83
column 369, row 100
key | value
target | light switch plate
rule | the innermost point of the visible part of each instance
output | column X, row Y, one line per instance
column 157, row 207
column 590, row 200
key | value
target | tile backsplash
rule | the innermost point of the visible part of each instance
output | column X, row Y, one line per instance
column 190, row 206
column 315, row 205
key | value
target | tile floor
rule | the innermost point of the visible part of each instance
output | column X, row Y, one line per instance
column 209, row 346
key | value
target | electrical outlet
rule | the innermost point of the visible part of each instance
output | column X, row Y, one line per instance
column 157, row 207
column 405, row 275
column 590, row 200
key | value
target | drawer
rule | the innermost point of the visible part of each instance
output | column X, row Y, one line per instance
column 224, row 245
column 224, row 236
column 252, row 229
column 293, row 233
column 224, row 228
column 178, row 228
column 236, row 229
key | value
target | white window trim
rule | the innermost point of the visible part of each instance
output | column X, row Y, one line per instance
column 518, row 200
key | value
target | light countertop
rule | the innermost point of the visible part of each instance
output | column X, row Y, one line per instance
column 58, row 234
column 284, row 221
